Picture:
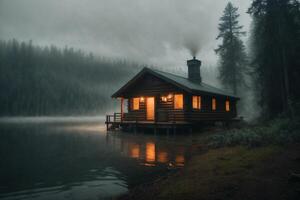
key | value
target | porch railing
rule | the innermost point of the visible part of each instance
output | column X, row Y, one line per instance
column 116, row 117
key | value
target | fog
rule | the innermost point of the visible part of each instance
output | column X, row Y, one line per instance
column 51, row 119
column 153, row 32
column 162, row 34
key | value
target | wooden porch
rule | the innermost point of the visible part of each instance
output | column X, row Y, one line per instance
column 119, row 121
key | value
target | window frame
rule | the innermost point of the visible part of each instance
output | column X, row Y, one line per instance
column 198, row 102
column 174, row 103
column 227, row 103
column 213, row 103
column 137, row 99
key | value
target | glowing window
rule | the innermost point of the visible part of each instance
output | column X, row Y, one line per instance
column 136, row 103
column 196, row 102
column 227, row 105
column 214, row 104
column 178, row 101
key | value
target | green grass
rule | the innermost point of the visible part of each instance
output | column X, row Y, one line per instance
column 216, row 174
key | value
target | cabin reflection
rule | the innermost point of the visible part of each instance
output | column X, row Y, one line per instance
column 162, row 157
column 179, row 160
column 134, row 150
column 148, row 152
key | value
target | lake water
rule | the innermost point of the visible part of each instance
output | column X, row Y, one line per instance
column 75, row 158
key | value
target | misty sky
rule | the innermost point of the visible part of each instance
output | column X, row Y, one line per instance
column 150, row 31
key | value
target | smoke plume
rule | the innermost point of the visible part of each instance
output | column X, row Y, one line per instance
column 193, row 46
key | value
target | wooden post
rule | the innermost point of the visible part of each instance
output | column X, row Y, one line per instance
column 122, row 108
column 174, row 129
column 106, row 122
column 135, row 128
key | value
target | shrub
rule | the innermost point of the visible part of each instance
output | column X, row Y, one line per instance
column 279, row 131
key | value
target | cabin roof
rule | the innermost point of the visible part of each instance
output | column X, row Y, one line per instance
column 179, row 81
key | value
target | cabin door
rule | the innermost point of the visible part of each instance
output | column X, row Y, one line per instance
column 150, row 108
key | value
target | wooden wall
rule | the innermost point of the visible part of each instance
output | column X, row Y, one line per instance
column 206, row 112
column 152, row 86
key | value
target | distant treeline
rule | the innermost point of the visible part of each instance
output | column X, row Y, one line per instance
column 54, row 81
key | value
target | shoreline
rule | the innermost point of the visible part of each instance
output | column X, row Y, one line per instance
column 229, row 173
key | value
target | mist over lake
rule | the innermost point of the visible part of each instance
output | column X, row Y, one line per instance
column 74, row 158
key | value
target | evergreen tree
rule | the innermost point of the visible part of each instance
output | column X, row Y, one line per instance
column 275, row 54
column 232, row 56
column 53, row 81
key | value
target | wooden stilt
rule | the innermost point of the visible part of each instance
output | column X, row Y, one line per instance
column 122, row 108
column 135, row 128
column 106, row 123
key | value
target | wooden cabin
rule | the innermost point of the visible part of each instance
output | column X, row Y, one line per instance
column 160, row 99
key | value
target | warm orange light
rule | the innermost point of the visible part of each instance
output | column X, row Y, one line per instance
column 179, row 160
column 136, row 103
column 178, row 101
column 162, row 157
column 142, row 99
column 196, row 102
column 150, row 152
column 214, row 104
column 134, row 151
column 170, row 96
column 150, row 108
column 164, row 99
column 227, row 105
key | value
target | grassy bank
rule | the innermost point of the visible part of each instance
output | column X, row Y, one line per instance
column 280, row 131
column 228, row 173
column 253, row 162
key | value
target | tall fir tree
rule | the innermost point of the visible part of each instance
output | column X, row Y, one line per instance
column 275, row 54
column 231, row 51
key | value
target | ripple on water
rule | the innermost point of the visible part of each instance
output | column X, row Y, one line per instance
column 108, row 185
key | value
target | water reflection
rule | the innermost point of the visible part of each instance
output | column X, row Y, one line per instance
column 179, row 160
column 105, row 185
column 78, row 160
column 162, row 157
column 148, row 150
column 134, row 151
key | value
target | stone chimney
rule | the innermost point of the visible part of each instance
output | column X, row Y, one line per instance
column 194, row 70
